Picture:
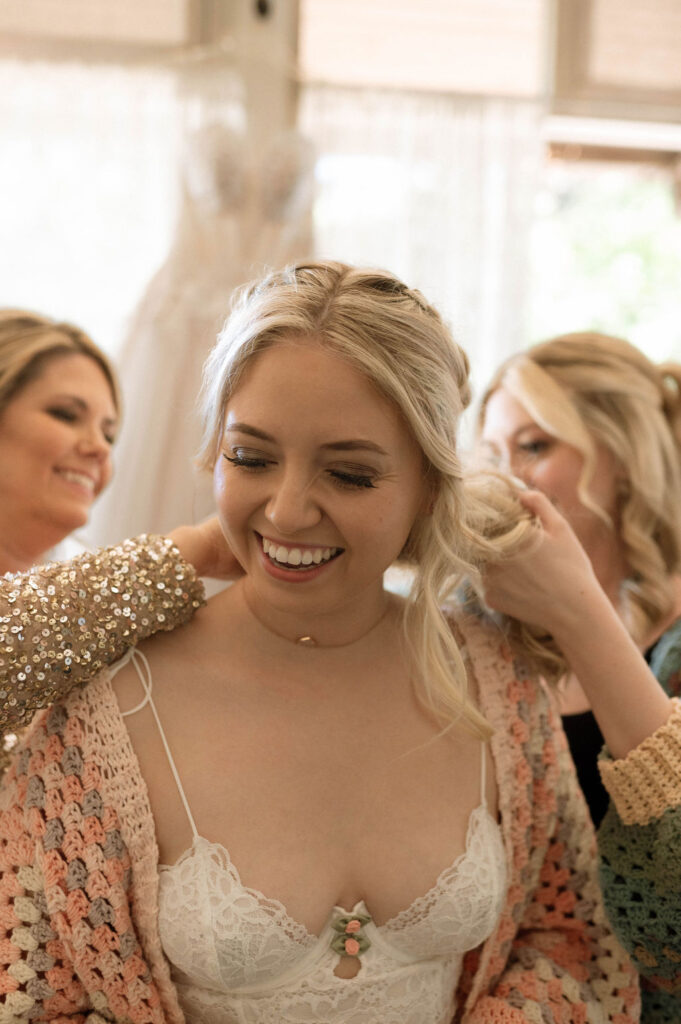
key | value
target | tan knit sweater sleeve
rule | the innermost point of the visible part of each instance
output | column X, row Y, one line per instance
column 61, row 623
column 648, row 780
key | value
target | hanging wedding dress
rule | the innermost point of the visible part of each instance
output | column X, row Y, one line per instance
column 242, row 210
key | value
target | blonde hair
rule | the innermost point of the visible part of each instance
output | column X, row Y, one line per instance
column 397, row 341
column 28, row 341
column 590, row 389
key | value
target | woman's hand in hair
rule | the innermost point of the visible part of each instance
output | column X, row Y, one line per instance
column 546, row 585
column 205, row 547
column 553, row 586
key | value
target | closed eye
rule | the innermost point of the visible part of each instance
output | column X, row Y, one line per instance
column 66, row 415
column 535, row 447
column 353, row 480
column 247, row 462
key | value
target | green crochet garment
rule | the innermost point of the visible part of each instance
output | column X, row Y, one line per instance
column 641, row 878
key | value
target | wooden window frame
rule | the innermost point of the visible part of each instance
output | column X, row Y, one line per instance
column 577, row 92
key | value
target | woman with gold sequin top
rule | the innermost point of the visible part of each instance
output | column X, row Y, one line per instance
column 59, row 410
column 59, row 413
column 317, row 801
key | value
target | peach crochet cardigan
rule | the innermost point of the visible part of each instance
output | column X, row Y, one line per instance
column 79, row 882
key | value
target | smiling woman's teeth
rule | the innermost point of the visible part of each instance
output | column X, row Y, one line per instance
column 78, row 478
column 295, row 557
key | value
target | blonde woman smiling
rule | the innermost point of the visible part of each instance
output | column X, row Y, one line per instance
column 318, row 801
column 59, row 411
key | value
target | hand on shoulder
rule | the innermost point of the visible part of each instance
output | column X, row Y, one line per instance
column 204, row 546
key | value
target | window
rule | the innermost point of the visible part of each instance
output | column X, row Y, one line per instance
column 606, row 253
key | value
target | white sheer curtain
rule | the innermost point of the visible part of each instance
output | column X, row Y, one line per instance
column 439, row 189
column 88, row 188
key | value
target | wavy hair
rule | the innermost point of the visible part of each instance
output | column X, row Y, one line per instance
column 392, row 336
column 28, row 341
column 590, row 389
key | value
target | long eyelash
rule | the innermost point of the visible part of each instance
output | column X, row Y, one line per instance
column 245, row 463
column 351, row 479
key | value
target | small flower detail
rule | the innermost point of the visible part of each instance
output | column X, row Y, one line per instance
column 349, row 938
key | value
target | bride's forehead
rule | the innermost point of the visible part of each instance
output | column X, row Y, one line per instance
column 307, row 367
column 289, row 389
column 297, row 353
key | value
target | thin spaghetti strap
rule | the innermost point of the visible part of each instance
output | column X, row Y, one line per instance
column 143, row 670
column 483, row 775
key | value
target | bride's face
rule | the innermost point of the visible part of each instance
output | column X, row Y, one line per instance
column 318, row 481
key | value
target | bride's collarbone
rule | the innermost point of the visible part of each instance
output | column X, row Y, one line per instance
column 241, row 673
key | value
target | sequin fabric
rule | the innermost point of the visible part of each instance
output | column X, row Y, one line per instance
column 61, row 623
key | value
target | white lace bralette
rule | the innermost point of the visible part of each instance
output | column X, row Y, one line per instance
column 237, row 957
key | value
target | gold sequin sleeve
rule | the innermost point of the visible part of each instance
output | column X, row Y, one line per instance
column 61, row 623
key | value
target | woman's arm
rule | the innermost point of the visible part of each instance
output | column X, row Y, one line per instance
column 61, row 623
column 553, row 586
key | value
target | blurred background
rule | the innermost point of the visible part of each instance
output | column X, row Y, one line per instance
column 517, row 160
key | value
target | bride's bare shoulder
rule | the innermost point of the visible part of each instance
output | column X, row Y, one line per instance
column 171, row 656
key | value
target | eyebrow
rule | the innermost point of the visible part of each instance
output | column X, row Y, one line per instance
column 350, row 445
column 82, row 404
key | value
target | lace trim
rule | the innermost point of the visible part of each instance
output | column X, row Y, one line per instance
column 421, row 907
column 274, row 908
column 417, row 911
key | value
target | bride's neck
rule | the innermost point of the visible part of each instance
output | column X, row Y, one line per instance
column 344, row 627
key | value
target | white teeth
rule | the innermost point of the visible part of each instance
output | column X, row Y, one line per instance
column 78, row 478
column 296, row 557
